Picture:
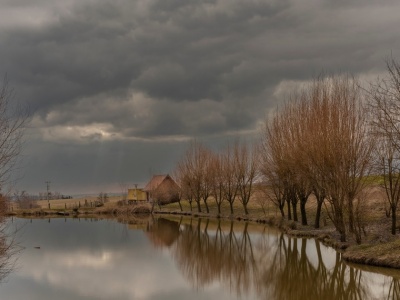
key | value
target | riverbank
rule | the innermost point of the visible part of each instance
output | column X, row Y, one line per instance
column 378, row 247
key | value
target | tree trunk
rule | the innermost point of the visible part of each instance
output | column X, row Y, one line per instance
column 351, row 215
column 231, row 206
column 343, row 235
column 289, row 212
column 246, row 212
column 282, row 211
column 205, row 203
column 180, row 205
column 303, row 211
column 198, row 206
column 393, row 219
column 294, row 207
column 219, row 207
column 318, row 214
column 341, row 227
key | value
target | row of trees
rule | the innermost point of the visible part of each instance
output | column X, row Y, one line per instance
column 319, row 144
column 326, row 141
column 224, row 176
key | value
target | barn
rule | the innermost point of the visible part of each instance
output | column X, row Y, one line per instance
column 162, row 189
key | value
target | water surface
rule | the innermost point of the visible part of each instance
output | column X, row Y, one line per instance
column 181, row 259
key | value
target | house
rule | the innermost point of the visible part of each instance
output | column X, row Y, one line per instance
column 162, row 189
column 136, row 195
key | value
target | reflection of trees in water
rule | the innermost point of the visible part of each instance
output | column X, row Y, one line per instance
column 8, row 251
column 223, row 255
column 272, row 267
column 293, row 276
column 394, row 289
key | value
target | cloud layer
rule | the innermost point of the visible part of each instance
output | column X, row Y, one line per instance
column 149, row 71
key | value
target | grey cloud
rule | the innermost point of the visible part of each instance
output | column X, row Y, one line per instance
column 157, row 70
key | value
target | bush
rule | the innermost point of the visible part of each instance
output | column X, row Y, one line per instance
column 141, row 209
column 98, row 204
column 121, row 203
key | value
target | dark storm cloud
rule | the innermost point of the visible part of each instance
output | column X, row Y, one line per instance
column 167, row 70
column 182, row 51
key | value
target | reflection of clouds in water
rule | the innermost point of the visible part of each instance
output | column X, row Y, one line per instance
column 328, row 255
column 106, row 274
column 133, row 270
column 100, row 261
column 208, row 260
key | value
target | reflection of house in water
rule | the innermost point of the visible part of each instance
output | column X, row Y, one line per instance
column 162, row 189
column 162, row 232
column 137, row 221
column 137, row 226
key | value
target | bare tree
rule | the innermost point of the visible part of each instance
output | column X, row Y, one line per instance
column 13, row 119
column 280, row 156
column 183, row 175
column 230, row 187
column 206, row 170
column 273, row 173
column 179, row 178
column 384, row 102
column 217, row 179
column 246, row 159
column 346, row 148
column 360, row 211
column 24, row 200
column 194, row 167
column 320, row 143
column 263, row 196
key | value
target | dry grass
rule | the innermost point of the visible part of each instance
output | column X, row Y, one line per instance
column 377, row 254
column 71, row 203
column 83, row 204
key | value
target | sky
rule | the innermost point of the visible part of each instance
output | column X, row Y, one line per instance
column 118, row 88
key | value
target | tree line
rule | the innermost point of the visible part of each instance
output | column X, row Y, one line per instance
column 227, row 175
column 327, row 141
column 319, row 144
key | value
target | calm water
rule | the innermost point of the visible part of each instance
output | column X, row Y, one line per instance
column 181, row 259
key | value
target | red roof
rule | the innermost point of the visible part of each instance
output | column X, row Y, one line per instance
column 155, row 182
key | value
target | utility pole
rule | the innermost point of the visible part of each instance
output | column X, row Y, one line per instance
column 48, row 191
column 136, row 198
